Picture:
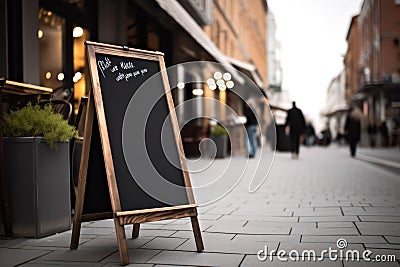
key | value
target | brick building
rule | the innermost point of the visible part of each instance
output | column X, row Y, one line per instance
column 372, row 63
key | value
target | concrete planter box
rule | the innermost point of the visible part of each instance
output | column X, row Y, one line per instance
column 38, row 187
column 221, row 142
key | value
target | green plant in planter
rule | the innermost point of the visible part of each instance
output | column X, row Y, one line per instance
column 38, row 121
column 219, row 130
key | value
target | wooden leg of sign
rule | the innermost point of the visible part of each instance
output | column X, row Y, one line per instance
column 135, row 230
column 197, row 233
column 76, row 227
column 121, row 239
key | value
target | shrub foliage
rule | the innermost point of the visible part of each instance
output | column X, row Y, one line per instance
column 35, row 120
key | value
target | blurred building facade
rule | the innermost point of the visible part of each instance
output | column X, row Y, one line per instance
column 43, row 44
column 336, row 107
column 372, row 64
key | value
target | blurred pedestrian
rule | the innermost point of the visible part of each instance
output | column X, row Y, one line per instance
column 372, row 131
column 296, row 124
column 310, row 134
column 353, row 129
column 251, row 129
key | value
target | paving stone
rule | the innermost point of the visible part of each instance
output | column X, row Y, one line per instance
column 39, row 263
column 100, row 243
column 256, row 230
column 135, row 256
column 383, row 246
column 393, row 239
column 260, row 218
column 375, row 228
column 169, row 243
column 329, row 219
column 318, row 212
column 281, row 224
column 325, row 231
column 360, row 239
column 153, row 233
column 13, row 257
column 379, row 218
column 214, row 243
column 245, row 239
column 78, row 255
column 335, row 224
column 97, row 230
column 197, row 259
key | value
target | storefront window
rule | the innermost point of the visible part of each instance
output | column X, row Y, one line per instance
column 79, row 78
column 50, row 34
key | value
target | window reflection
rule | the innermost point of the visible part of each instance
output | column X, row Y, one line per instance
column 50, row 34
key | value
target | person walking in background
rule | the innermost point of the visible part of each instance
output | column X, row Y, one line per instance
column 296, row 123
column 251, row 129
column 310, row 134
column 353, row 129
column 372, row 131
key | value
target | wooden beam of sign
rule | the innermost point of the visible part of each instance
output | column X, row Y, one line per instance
column 106, row 188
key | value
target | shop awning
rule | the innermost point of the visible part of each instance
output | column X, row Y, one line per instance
column 249, row 69
column 182, row 17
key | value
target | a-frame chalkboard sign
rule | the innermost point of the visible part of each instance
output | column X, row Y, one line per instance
column 106, row 187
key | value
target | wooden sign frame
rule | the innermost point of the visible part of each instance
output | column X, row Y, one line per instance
column 135, row 217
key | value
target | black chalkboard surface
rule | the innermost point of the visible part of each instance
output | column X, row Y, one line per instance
column 133, row 167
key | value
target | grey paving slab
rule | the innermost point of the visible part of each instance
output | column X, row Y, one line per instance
column 383, row 246
column 13, row 257
column 335, row 224
column 39, row 263
column 255, row 230
column 245, row 239
column 78, row 255
column 393, row 239
column 214, row 243
column 135, row 256
column 197, row 259
column 329, row 219
column 376, row 228
column 360, row 239
column 153, row 233
column 260, row 218
column 100, row 243
column 281, row 224
column 169, row 243
column 325, row 231
column 380, row 218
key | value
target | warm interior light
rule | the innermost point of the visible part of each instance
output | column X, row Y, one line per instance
column 77, row 32
column 48, row 75
column 198, row 92
column 40, row 34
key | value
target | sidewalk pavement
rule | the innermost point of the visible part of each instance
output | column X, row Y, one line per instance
column 305, row 204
